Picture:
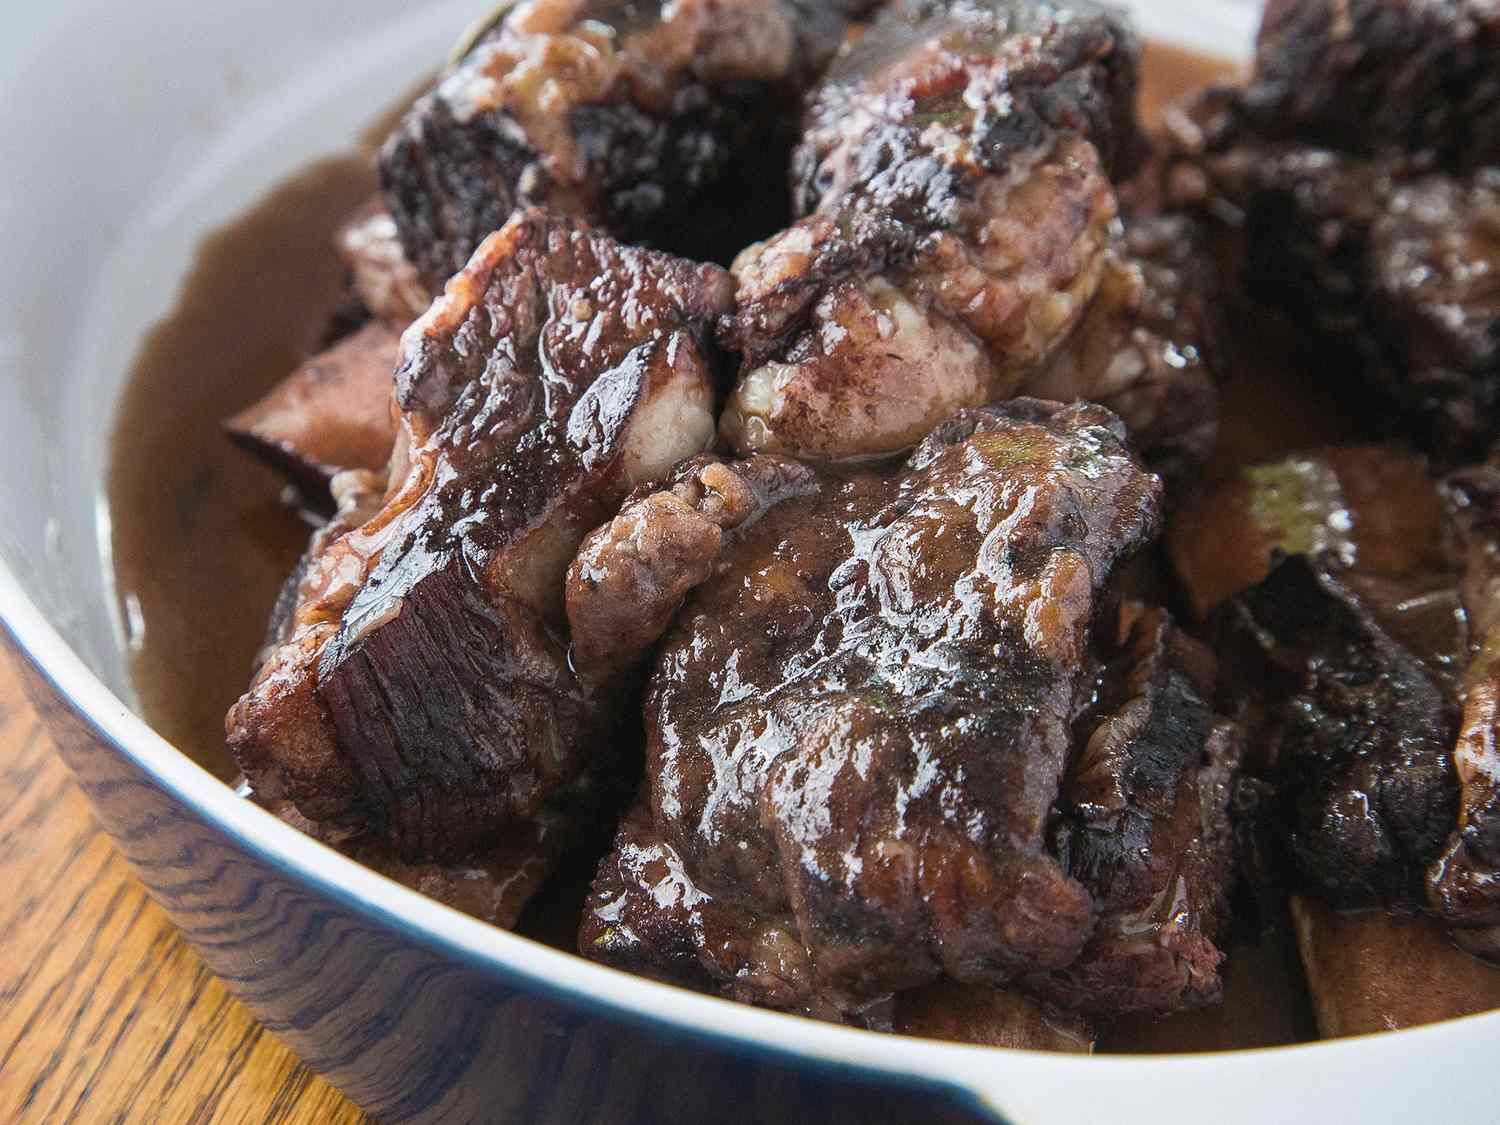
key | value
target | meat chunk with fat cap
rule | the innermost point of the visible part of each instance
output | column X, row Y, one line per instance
column 617, row 114
column 954, row 183
column 424, row 692
column 859, row 722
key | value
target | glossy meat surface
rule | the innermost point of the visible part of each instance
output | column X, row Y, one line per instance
column 954, row 182
column 859, row 724
column 1144, row 824
column 619, row 114
column 424, row 692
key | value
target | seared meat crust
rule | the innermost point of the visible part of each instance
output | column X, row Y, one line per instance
column 1354, row 179
column 424, row 691
column 1391, row 272
column 1354, row 728
column 859, row 724
column 954, row 181
column 1144, row 824
column 616, row 114
column 1417, row 79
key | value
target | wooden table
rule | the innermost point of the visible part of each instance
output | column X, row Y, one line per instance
column 105, row 1014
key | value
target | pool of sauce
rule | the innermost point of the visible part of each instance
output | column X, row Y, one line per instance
column 204, row 535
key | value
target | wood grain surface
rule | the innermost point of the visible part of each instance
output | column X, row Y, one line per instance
column 105, row 1014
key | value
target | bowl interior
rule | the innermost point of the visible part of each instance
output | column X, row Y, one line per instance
column 189, row 113
column 146, row 126
column 120, row 183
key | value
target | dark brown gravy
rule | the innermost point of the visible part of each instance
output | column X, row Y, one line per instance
column 203, row 539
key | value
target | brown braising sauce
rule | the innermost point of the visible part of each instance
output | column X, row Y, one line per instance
column 204, row 535
column 1168, row 74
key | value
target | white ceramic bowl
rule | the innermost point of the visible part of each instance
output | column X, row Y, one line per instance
column 129, row 132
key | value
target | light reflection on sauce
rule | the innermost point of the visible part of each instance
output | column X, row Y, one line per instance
column 202, row 540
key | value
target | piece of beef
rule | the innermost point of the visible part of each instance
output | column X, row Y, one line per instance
column 1144, row 824
column 1418, row 79
column 953, row 180
column 380, row 274
column 332, row 413
column 292, row 757
column 1353, row 181
column 858, row 724
column 1464, row 883
column 1391, row 272
column 1146, row 346
column 1407, row 571
column 424, row 693
column 357, row 495
column 1353, row 728
column 1373, row 508
column 619, row 114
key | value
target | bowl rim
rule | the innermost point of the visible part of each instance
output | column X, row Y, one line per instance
column 983, row 1073
column 999, row 1080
